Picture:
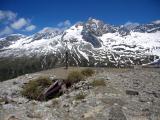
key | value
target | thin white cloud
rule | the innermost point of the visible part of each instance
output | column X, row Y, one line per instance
column 79, row 22
column 156, row 22
column 7, row 30
column 11, row 23
column 50, row 30
column 20, row 23
column 64, row 24
column 30, row 28
column 131, row 23
column 7, row 15
column 67, row 23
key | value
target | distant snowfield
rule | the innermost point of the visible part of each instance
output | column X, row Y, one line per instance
column 150, row 41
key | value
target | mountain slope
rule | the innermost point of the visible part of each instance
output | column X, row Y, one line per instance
column 92, row 43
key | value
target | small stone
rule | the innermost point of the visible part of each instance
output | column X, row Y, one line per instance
column 67, row 110
column 125, row 108
column 132, row 92
column 83, row 100
column 149, row 102
column 12, row 118
column 33, row 114
column 115, row 103
column 2, row 101
column 15, row 83
column 92, row 112
column 74, row 102
column 100, row 95
column 52, row 77
column 66, row 105
column 28, row 76
column 157, row 95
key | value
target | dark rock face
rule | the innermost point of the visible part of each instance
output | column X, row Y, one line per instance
column 150, row 28
column 99, row 28
column 96, row 27
column 123, row 31
column 89, row 37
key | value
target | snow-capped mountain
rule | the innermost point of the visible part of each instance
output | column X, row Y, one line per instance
column 92, row 43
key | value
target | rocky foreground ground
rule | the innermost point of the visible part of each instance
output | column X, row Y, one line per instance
column 128, row 94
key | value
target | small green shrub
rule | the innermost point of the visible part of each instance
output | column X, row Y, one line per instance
column 80, row 96
column 87, row 72
column 98, row 83
column 34, row 88
column 74, row 77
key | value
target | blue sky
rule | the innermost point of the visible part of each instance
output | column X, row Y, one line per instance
column 30, row 16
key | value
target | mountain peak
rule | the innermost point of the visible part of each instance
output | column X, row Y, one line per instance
column 47, row 33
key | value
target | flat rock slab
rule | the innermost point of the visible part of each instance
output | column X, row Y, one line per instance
column 116, row 113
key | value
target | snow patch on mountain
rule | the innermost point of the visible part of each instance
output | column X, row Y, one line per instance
column 148, row 41
column 93, row 42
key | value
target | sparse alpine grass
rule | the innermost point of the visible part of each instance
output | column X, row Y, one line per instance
column 74, row 77
column 88, row 72
column 34, row 88
column 80, row 96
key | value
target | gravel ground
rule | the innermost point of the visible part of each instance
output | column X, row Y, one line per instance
column 129, row 94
